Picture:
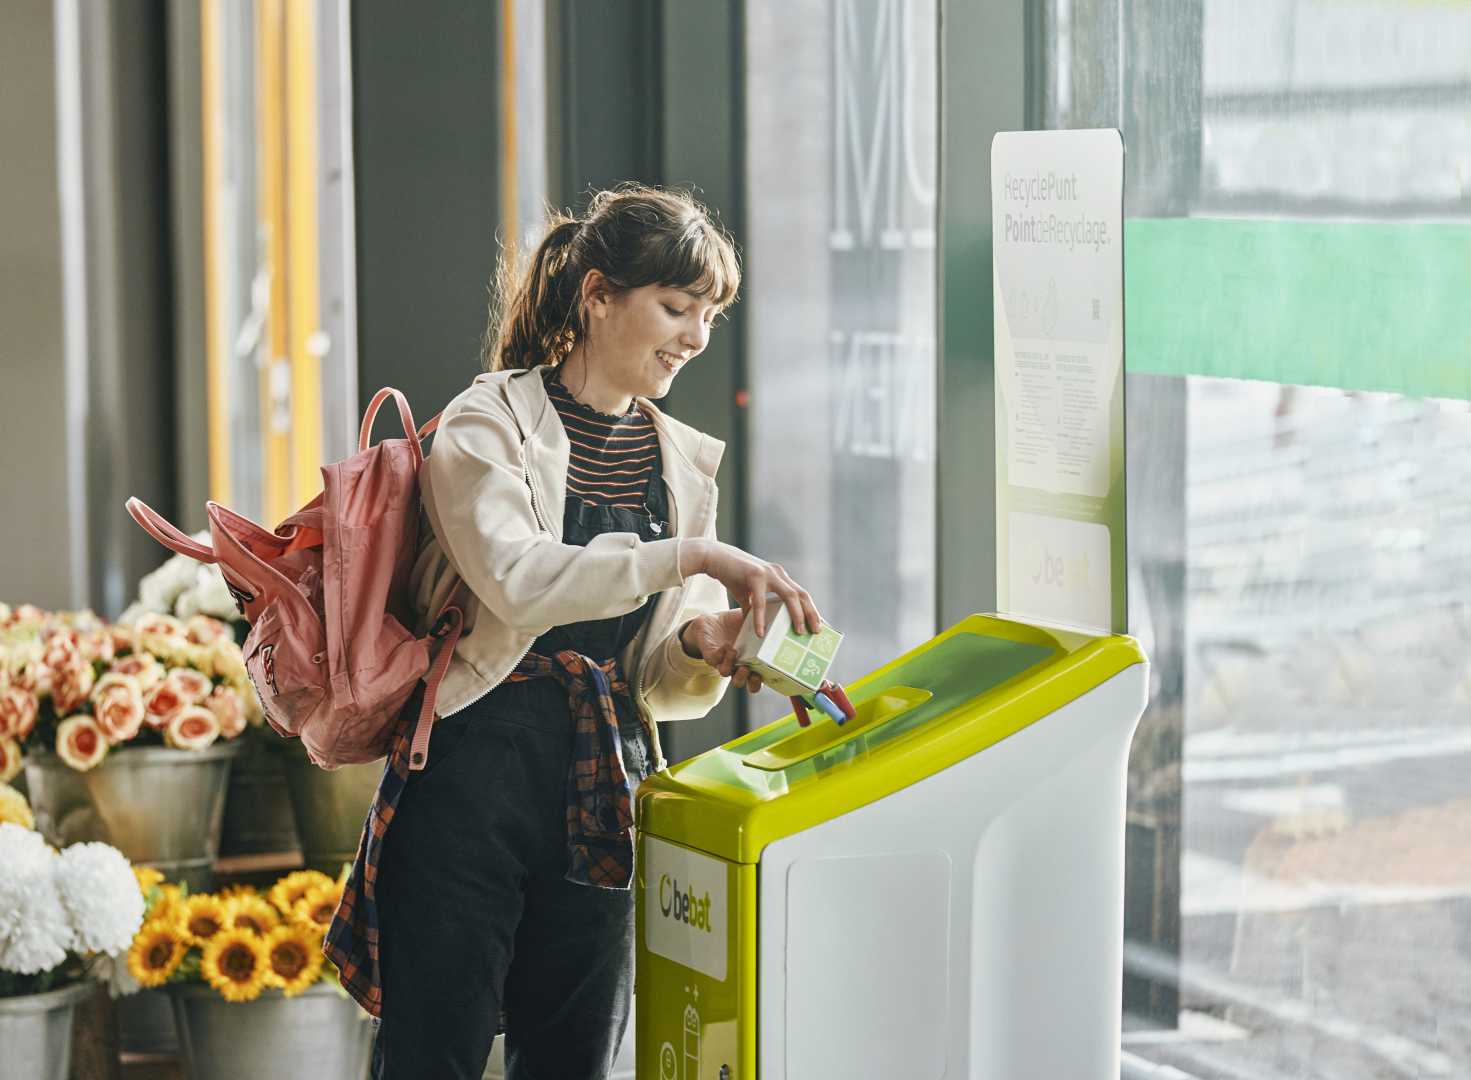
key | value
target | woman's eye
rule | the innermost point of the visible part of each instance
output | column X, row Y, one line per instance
column 671, row 311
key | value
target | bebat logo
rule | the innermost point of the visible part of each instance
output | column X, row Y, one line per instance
column 684, row 906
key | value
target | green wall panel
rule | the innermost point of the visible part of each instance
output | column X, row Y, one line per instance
column 1363, row 306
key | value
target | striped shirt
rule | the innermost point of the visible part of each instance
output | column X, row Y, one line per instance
column 612, row 457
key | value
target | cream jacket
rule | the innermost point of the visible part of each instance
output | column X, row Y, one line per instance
column 494, row 487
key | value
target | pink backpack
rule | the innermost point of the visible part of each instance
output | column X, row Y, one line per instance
column 327, row 599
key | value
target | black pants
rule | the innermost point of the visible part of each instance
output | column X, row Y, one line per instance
column 475, row 916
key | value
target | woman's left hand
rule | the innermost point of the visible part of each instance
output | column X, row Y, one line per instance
column 712, row 638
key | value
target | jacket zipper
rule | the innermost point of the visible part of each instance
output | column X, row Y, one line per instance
column 531, row 485
column 645, row 714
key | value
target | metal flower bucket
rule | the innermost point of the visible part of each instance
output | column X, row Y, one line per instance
column 258, row 817
column 36, row 1033
column 145, row 1023
column 158, row 806
column 318, row 1033
column 330, row 807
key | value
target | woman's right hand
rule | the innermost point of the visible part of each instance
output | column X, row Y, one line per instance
column 750, row 580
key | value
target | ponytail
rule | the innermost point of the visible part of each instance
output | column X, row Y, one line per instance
column 534, row 308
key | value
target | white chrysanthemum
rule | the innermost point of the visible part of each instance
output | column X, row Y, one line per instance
column 20, row 849
column 100, row 895
column 158, row 590
column 208, row 596
column 133, row 612
column 34, row 931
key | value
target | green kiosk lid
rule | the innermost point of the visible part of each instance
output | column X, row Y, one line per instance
column 983, row 679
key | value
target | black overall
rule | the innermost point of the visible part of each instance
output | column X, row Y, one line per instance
column 475, row 915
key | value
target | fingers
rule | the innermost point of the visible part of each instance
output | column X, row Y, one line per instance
column 814, row 618
column 756, row 599
column 800, row 607
column 747, row 679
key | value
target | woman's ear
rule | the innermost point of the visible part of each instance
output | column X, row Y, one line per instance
column 595, row 294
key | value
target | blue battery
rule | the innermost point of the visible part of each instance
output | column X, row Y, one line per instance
column 830, row 707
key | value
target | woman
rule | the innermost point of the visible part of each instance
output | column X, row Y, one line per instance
column 581, row 519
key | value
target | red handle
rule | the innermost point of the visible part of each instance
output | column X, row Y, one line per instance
column 405, row 414
column 800, row 708
column 159, row 527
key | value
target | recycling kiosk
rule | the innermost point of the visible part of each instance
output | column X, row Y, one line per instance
column 933, row 889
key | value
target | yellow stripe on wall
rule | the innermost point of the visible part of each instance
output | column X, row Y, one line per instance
column 216, row 336
column 271, row 203
column 301, row 238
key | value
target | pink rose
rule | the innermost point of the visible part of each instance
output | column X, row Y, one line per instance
column 146, row 669
column 165, row 699
column 17, row 713
column 10, row 760
column 193, row 685
column 35, row 677
column 123, row 638
column 202, row 630
column 97, row 645
column 113, row 680
column 61, row 651
column 119, row 712
column 80, row 742
column 159, row 626
column 192, row 728
column 229, row 710
column 71, row 687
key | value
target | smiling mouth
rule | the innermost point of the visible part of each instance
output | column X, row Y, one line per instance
column 668, row 365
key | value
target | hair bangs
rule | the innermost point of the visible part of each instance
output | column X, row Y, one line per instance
column 702, row 261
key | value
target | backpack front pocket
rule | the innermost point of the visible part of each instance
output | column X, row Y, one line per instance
column 288, row 676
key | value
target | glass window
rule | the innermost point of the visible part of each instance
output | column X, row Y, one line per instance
column 281, row 315
column 841, row 159
column 1298, row 195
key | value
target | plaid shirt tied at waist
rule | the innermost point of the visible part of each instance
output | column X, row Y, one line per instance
column 599, row 813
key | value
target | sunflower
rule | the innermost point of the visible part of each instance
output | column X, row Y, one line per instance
column 147, row 877
column 156, row 951
column 166, row 902
column 291, row 888
column 235, row 964
column 202, row 917
column 252, row 913
column 294, row 959
column 230, row 892
column 14, row 808
column 317, row 907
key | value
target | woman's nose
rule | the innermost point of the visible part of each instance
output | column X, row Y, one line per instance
column 696, row 338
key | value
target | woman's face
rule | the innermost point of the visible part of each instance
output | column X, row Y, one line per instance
column 640, row 339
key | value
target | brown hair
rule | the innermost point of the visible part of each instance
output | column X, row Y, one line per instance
column 634, row 235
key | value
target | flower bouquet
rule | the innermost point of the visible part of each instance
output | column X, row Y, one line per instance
column 238, row 941
column 71, row 683
column 252, row 993
column 183, row 588
column 65, row 918
column 60, row 912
